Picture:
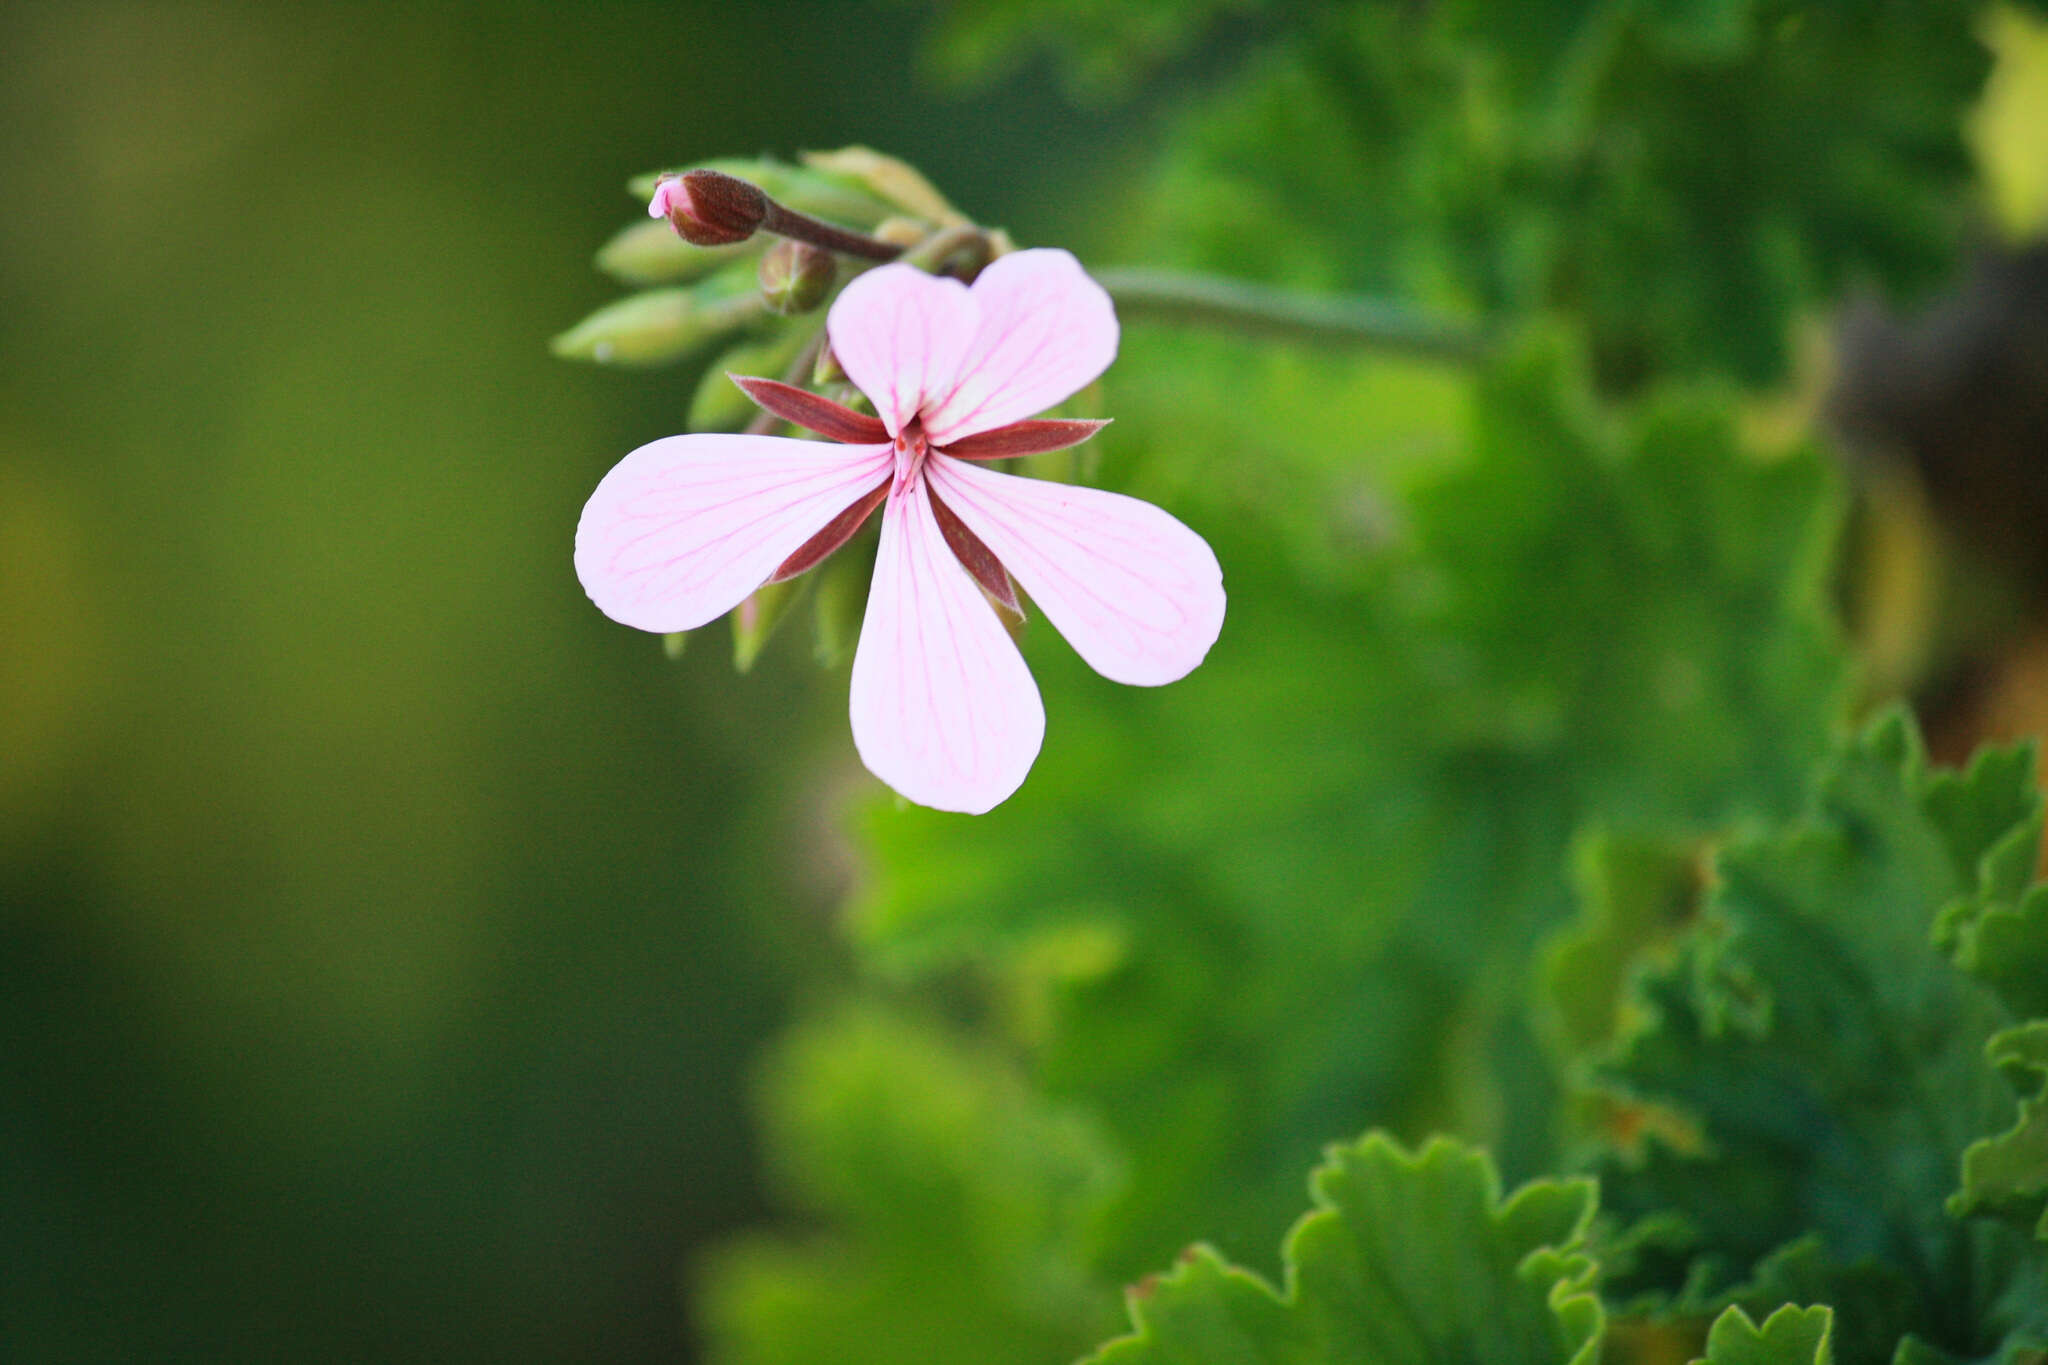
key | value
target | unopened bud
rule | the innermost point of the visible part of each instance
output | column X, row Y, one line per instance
column 904, row 232
column 657, row 326
column 825, row 370
column 755, row 619
column 709, row 208
column 796, row 277
column 651, row 253
column 838, row 603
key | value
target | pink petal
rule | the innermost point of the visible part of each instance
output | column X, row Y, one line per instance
column 684, row 528
column 1046, row 332
column 1137, row 594
column 900, row 335
column 944, row 710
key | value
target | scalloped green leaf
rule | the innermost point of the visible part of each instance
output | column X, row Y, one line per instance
column 1828, row 1057
column 2009, row 1173
column 1790, row 1336
column 1638, row 896
column 1407, row 1260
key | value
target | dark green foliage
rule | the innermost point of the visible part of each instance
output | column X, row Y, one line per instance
column 1297, row 892
column 1825, row 1061
column 1556, row 616
column 1685, row 178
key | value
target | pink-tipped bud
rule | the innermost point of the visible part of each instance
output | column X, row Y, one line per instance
column 796, row 276
column 709, row 208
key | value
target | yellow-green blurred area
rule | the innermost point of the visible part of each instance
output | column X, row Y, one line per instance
column 400, row 961
column 383, row 933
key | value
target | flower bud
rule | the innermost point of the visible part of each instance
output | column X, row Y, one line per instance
column 657, row 326
column 838, row 603
column 651, row 253
column 796, row 277
column 903, row 232
column 825, row 370
column 709, row 208
column 754, row 620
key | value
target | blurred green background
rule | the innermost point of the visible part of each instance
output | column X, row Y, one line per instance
column 383, row 932
column 391, row 945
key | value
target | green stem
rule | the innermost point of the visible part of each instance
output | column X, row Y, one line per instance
column 1259, row 310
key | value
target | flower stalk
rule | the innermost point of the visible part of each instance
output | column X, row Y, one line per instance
column 711, row 208
column 1253, row 309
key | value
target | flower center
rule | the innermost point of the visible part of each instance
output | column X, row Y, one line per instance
column 911, row 449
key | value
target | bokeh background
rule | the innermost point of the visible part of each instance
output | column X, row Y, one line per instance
column 381, row 929
column 398, row 960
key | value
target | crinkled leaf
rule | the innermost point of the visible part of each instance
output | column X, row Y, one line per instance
column 1790, row 1336
column 1829, row 1057
column 1684, row 178
column 1328, row 904
column 2009, row 1173
column 1407, row 1260
column 1638, row 896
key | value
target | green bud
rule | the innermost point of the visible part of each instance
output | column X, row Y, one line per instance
column 796, row 276
column 674, row 643
column 826, row 371
column 754, row 620
column 896, row 181
column 718, row 404
column 899, row 231
column 651, row 253
column 658, row 326
column 839, row 601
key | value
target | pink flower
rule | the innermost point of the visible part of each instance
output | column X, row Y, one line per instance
column 684, row 529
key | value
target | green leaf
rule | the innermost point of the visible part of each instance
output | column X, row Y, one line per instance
column 2009, row 1173
column 961, row 1202
column 1407, row 1260
column 1829, row 1058
column 1465, row 624
column 1684, row 178
column 1638, row 896
column 1790, row 1336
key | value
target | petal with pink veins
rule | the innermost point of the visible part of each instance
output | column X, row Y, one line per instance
column 944, row 709
column 1047, row 331
column 901, row 335
column 1137, row 594
column 684, row 528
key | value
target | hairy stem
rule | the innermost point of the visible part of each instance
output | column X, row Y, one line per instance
column 1259, row 310
column 802, row 227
